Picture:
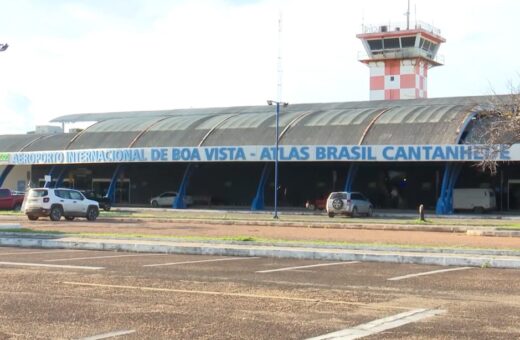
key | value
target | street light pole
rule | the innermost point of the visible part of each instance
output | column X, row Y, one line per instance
column 275, row 216
column 276, row 152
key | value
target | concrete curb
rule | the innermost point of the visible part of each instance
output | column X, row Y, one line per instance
column 6, row 226
column 469, row 230
column 499, row 233
column 194, row 248
column 292, row 244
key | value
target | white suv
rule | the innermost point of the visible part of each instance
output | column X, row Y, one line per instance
column 348, row 203
column 57, row 202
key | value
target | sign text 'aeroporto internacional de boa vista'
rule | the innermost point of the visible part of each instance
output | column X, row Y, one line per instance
column 265, row 153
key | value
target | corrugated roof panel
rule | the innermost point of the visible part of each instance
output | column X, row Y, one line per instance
column 211, row 122
column 394, row 116
column 419, row 114
column 340, row 117
column 123, row 124
column 285, row 119
column 13, row 143
column 246, row 121
column 52, row 142
column 176, row 123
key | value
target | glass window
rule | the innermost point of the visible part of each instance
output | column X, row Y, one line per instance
column 63, row 194
column 76, row 195
column 341, row 195
column 408, row 41
column 391, row 43
column 4, row 192
column 375, row 44
column 38, row 193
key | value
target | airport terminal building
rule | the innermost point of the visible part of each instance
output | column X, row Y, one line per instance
column 399, row 141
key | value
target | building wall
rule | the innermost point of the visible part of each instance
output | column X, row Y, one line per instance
column 18, row 179
column 398, row 79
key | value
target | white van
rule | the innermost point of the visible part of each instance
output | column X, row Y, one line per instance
column 476, row 199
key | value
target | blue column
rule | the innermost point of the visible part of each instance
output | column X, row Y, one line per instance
column 178, row 202
column 5, row 173
column 258, row 201
column 48, row 184
column 59, row 180
column 445, row 201
column 111, row 193
column 352, row 171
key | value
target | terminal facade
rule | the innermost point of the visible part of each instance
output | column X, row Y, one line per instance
column 399, row 141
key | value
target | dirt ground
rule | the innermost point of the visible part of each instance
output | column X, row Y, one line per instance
column 303, row 233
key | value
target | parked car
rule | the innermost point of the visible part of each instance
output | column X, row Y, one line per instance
column 167, row 198
column 58, row 202
column 11, row 200
column 104, row 202
column 317, row 204
column 349, row 204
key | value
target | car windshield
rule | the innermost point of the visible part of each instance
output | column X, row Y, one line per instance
column 38, row 193
column 341, row 195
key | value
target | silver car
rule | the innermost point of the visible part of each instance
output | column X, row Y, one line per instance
column 349, row 204
column 167, row 198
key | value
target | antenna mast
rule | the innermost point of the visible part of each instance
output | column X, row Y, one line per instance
column 408, row 16
column 279, row 84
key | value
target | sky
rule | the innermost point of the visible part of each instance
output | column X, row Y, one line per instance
column 84, row 56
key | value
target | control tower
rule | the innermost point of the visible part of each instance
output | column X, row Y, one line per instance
column 399, row 57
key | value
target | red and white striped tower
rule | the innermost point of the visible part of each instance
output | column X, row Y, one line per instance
column 399, row 58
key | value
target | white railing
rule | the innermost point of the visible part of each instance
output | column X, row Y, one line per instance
column 401, row 26
column 408, row 52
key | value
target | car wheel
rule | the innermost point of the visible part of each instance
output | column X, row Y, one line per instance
column 69, row 218
column 32, row 217
column 107, row 207
column 92, row 213
column 354, row 212
column 337, row 204
column 17, row 207
column 55, row 214
column 155, row 204
column 331, row 215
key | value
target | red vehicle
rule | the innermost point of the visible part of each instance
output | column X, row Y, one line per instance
column 317, row 204
column 11, row 200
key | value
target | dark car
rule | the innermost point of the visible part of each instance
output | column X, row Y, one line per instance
column 104, row 202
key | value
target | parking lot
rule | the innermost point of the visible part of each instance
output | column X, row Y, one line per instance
column 79, row 294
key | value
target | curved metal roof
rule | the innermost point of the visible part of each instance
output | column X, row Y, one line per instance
column 416, row 121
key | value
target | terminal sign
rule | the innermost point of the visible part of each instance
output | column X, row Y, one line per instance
column 266, row 153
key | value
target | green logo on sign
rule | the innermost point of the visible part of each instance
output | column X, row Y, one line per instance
column 4, row 157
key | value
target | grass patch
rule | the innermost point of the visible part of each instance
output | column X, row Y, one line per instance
column 246, row 238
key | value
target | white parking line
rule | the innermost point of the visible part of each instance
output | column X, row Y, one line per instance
column 108, row 335
column 48, row 265
column 200, row 261
column 44, row 252
column 380, row 325
column 102, row 257
column 427, row 273
column 309, row 266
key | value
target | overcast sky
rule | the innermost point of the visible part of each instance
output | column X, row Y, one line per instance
column 82, row 56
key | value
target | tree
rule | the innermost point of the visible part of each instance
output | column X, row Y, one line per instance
column 496, row 128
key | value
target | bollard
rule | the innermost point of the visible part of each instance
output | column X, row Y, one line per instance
column 421, row 213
